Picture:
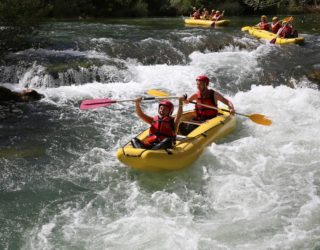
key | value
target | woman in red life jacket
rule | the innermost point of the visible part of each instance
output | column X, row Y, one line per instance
column 162, row 130
column 209, row 97
column 275, row 25
column 217, row 16
column 263, row 25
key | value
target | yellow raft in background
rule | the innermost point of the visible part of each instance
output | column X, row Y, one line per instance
column 269, row 36
column 207, row 23
column 185, row 152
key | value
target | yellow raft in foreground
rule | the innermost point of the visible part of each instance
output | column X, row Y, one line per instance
column 187, row 149
column 269, row 36
column 207, row 23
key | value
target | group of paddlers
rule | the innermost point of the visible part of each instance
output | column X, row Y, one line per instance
column 214, row 15
column 163, row 127
column 283, row 28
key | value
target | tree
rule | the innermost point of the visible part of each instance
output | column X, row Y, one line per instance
column 18, row 19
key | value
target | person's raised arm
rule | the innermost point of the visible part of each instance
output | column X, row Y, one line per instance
column 140, row 113
column 219, row 97
column 190, row 99
column 180, row 110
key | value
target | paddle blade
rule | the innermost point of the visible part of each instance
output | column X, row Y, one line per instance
column 157, row 93
column 273, row 41
column 96, row 103
column 245, row 28
column 260, row 119
column 287, row 19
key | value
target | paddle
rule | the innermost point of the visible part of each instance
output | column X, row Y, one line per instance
column 257, row 118
column 287, row 19
column 97, row 103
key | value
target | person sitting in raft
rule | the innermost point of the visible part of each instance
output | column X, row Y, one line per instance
column 213, row 12
column 217, row 16
column 206, row 96
column 26, row 95
column 263, row 25
column 197, row 14
column 287, row 30
column 275, row 25
column 194, row 9
column 205, row 14
column 162, row 132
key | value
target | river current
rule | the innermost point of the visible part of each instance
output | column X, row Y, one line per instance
column 61, row 186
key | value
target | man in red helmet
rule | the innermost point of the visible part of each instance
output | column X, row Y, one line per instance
column 207, row 96
column 162, row 132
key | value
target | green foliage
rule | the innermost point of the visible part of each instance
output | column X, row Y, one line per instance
column 21, row 12
column 18, row 19
column 182, row 6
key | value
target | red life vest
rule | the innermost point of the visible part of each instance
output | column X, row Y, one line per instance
column 275, row 27
column 160, row 129
column 286, row 31
column 216, row 17
column 202, row 112
column 196, row 15
column 264, row 26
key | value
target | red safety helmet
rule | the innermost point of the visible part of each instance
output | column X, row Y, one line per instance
column 168, row 104
column 203, row 79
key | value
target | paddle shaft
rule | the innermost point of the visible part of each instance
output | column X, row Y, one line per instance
column 132, row 100
column 211, row 107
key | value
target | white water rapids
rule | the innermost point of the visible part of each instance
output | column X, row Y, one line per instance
column 257, row 189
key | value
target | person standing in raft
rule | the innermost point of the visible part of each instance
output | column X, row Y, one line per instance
column 263, row 25
column 162, row 132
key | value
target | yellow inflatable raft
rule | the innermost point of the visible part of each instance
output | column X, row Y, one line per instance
column 207, row 23
column 269, row 36
column 186, row 150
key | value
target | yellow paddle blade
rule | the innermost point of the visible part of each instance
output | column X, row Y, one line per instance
column 245, row 28
column 157, row 93
column 260, row 119
column 287, row 19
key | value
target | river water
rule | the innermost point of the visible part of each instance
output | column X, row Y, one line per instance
column 61, row 186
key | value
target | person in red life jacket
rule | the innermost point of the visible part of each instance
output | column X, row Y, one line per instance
column 205, row 14
column 287, row 30
column 197, row 14
column 217, row 16
column 213, row 12
column 207, row 96
column 275, row 25
column 194, row 9
column 263, row 25
column 162, row 132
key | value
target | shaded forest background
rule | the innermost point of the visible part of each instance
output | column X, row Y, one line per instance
column 19, row 18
